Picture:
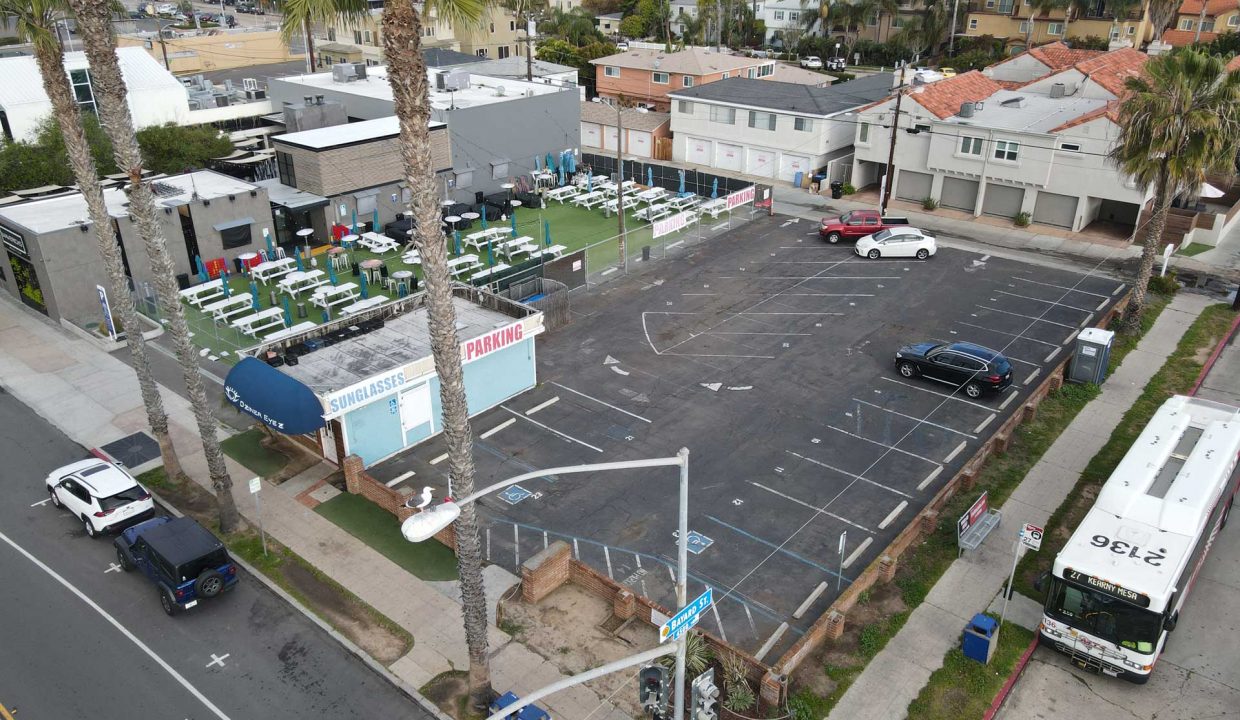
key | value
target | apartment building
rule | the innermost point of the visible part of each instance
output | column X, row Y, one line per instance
column 1014, row 22
column 646, row 77
column 1202, row 21
column 496, row 37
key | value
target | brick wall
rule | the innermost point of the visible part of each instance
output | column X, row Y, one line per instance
column 546, row 571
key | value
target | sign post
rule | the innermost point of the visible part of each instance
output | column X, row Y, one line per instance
column 256, row 484
column 1030, row 537
column 840, row 578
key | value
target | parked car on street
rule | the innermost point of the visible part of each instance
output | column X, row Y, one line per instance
column 901, row 241
column 974, row 368
column 182, row 558
column 811, row 62
column 102, row 495
column 857, row 224
column 838, row 64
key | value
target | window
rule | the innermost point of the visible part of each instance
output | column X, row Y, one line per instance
column 504, row 51
column 1005, row 7
column 970, row 146
column 331, row 34
column 687, row 80
column 235, row 237
column 464, row 178
column 1186, row 24
column 793, row 15
column 765, row 70
column 366, row 36
column 779, row 14
column 1007, row 150
column 659, row 78
column 492, row 28
column 684, row 107
column 897, row 22
column 1024, row 27
column 357, row 37
column 990, row 4
column 82, row 90
column 722, row 115
column 1070, row 147
column 1055, row 28
column 761, row 120
column 1207, row 26
column 371, row 63
column 863, row 134
column 284, row 165
column 611, row 71
column 1233, row 21
column 921, row 128
column 481, row 52
column 499, row 169
column 972, row 23
column 872, row 20
column 512, row 25
column 366, row 204
column 724, row 76
column 803, row 124
column 751, row 73
column 1131, row 29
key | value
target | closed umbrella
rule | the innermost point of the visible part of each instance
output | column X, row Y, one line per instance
column 650, row 177
column 572, row 162
column 547, row 232
column 483, row 216
column 288, row 314
column 513, row 218
column 227, row 290
column 375, row 225
column 331, row 274
column 590, row 182
column 365, row 287
column 490, row 255
column 254, row 294
column 202, row 270
column 271, row 251
column 456, row 242
column 354, row 230
column 714, row 188
column 297, row 255
column 682, row 183
column 561, row 171
column 550, row 162
column 327, row 315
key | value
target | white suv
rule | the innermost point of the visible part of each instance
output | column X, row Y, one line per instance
column 811, row 62
column 101, row 495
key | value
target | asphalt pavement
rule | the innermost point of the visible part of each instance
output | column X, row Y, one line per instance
column 80, row 638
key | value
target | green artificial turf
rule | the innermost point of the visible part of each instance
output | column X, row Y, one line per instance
column 379, row 529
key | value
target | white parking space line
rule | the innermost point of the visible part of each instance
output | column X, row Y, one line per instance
column 984, row 423
column 894, row 514
column 1022, row 315
column 1022, row 361
column 881, row 444
column 952, row 455
column 714, row 608
column 857, row 553
column 935, row 392
column 1086, row 319
column 1015, row 335
column 777, row 334
column 753, row 627
column 809, row 599
column 543, row 405
column 497, row 428
column 1102, row 303
column 675, row 244
column 930, row 478
column 607, row 556
column 1116, row 290
column 1008, row 401
column 41, row 502
column 439, row 458
column 781, row 294
column 802, row 503
column 1063, row 287
column 576, row 549
column 121, row 628
column 608, row 271
column 1050, row 357
column 854, row 476
column 552, row 430
column 600, row 402
column 922, row 421
column 1048, row 302
column 770, row 642
column 1032, row 375
column 1070, row 338
column 400, row 478
column 516, row 545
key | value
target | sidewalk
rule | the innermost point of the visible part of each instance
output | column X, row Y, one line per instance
column 94, row 399
column 897, row 674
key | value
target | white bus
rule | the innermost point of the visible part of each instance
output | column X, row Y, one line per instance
column 1118, row 585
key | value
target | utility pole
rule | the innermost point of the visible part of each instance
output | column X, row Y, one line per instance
column 624, row 250
column 164, row 48
column 1201, row 18
column 891, row 152
column 951, row 37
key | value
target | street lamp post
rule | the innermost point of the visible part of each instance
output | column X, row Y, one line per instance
column 424, row 525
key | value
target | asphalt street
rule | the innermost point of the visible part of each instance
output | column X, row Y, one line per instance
column 82, row 639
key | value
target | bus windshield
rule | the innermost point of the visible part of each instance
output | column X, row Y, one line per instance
column 1104, row 616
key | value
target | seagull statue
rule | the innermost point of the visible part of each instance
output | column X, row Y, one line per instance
column 426, row 498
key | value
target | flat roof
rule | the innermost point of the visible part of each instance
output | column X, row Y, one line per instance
column 1038, row 113
column 482, row 90
column 402, row 340
column 288, row 196
column 347, row 134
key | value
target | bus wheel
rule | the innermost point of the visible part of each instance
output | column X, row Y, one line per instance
column 1226, row 512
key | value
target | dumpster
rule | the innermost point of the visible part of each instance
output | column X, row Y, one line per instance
column 981, row 636
column 837, row 189
column 529, row 712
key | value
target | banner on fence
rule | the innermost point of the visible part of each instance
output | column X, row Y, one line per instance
column 740, row 197
column 672, row 224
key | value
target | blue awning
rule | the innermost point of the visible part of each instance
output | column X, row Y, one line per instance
column 234, row 223
column 261, row 391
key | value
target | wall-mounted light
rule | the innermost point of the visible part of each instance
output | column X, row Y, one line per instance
column 84, row 227
column 253, row 193
column 167, row 211
column 206, row 203
column 232, row 198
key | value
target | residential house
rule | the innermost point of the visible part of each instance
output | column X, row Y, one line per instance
column 211, row 50
column 565, row 5
column 644, row 131
column 1040, row 147
column 646, row 76
column 1038, row 63
column 51, row 261
column 1191, row 25
column 361, row 40
column 499, row 36
column 789, row 73
column 1009, row 20
column 784, row 24
column 682, row 11
column 771, row 129
column 516, row 67
column 609, row 24
column 355, row 171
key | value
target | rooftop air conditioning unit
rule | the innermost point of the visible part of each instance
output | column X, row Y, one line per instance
column 458, row 80
column 342, row 73
column 1016, row 102
column 966, row 110
column 1058, row 90
column 249, row 84
column 359, row 70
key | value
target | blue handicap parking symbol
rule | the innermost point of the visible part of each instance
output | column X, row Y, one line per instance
column 515, row 494
column 698, row 542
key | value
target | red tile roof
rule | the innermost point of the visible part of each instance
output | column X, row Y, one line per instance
column 944, row 97
column 1213, row 7
column 1111, row 69
column 1058, row 56
column 1110, row 110
column 1182, row 38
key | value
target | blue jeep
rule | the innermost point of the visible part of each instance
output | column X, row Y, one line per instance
column 184, row 560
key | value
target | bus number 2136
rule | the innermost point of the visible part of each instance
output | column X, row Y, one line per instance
column 1119, row 547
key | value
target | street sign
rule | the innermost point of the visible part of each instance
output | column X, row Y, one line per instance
column 1031, row 536
column 255, row 485
column 686, row 618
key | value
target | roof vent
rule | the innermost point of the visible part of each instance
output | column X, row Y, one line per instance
column 1058, row 90
column 966, row 110
column 1016, row 102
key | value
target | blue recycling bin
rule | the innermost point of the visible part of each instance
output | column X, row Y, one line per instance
column 981, row 636
column 529, row 712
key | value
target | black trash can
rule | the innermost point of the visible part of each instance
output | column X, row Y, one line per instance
column 837, row 189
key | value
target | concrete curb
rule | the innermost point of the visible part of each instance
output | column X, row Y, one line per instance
column 1006, row 690
column 345, row 642
column 1218, row 350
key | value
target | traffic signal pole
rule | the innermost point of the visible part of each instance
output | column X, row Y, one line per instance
column 682, row 576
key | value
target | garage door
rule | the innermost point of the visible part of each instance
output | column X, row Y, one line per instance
column 1055, row 209
column 790, row 165
column 697, row 151
column 590, row 135
column 913, row 186
column 959, row 193
column 728, row 157
column 639, row 143
column 610, row 138
column 1003, row 201
column 760, row 162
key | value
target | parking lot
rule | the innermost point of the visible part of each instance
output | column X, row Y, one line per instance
column 767, row 353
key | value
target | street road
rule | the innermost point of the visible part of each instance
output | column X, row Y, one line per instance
column 91, row 641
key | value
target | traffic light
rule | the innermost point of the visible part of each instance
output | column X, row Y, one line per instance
column 705, row 697
column 652, row 688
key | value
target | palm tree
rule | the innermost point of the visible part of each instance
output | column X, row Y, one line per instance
column 402, row 33
column 95, row 27
column 1120, row 10
column 1178, row 121
column 575, row 26
column 924, row 32
column 36, row 23
column 1045, row 7
column 890, row 8
column 301, row 16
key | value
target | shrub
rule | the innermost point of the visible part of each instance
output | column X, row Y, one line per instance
column 1091, row 42
column 929, row 203
column 848, row 189
column 1021, row 219
column 1164, row 285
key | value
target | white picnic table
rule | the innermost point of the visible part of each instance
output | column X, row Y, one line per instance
column 203, row 292
column 297, row 329
column 479, row 239
column 368, row 303
column 554, row 251
column 377, row 243
column 463, row 264
column 514, row 246
column 590, row 199
column 561, row 193
column 654, row 212
column 684, row 201
column 296, row 282
column 268, row 271
column 490, row 272
column 252, row 324
column 585, row 181
column 652, row 195
column 328, row 296
column 413, row 257
column 629, row 185
column 228, row 307
column 714, row 207
column 629, row 202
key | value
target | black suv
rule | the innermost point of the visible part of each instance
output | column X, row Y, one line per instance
column 184, row 560
column 975, row 368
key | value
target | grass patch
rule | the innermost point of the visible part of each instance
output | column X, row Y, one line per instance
column 379, row 529
column 247, row 449
column 1192, row 249
column 1175, row 377
column 964, row 688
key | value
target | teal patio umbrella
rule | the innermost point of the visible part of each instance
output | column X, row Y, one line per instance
column 327, row 316
column 484, row 217
column 547, row 232
column 331, row 273
column 375, row 225
column 254, row 293
column 202, row 269
column 490, row 255
column 365, row 287
column 271, row 251
column 227, row 290
column 714, row 188
column 560, row 170
column 297, row 255
column 682, row 183
column 513, row 218
column 550, row 162
column 288, row 314
column 354, row 228
column 650, row 177
column 456, row 242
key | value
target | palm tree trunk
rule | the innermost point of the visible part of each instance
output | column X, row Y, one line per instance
column 1149, row 250
column 68, row 115
column 402, row 32
column 305, row 28
column 94, row 23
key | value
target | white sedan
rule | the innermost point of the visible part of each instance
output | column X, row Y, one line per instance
column 897, row 242
column 811, row 62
